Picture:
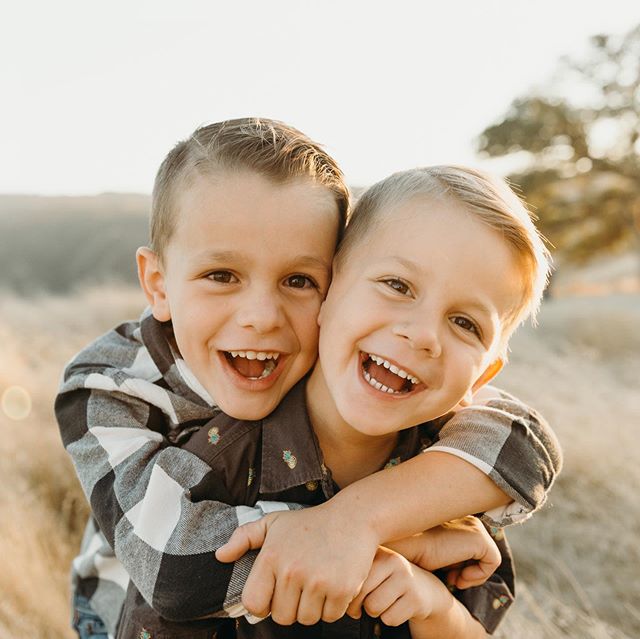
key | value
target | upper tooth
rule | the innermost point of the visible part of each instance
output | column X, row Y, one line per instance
column 394, row 369
column 261, row 355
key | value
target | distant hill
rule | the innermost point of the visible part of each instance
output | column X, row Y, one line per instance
column 57, row 244
column 106, row 203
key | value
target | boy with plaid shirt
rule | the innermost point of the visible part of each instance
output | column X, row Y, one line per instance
column 233, row 320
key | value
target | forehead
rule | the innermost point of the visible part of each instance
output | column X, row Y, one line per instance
column 230, row 209
column 247, row 199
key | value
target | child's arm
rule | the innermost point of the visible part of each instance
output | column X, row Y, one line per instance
column 481, row 460
column 463, row 546
column 115, row 422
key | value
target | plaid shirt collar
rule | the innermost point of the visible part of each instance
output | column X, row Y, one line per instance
column 159, row 340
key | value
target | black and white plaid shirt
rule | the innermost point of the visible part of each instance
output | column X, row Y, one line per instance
column 127, row 402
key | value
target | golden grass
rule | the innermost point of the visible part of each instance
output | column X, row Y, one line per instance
column 577, row 559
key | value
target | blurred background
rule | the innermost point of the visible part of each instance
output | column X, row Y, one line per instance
column 546, row 94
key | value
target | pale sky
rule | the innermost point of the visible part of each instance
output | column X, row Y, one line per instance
column 94, row 94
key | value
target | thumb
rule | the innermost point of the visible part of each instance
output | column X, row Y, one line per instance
column 248, row 537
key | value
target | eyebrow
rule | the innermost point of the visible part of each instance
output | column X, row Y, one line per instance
column 308, row 261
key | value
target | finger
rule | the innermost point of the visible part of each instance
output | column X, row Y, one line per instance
column 259, row 589
column 376, row 576
column 336, row 607
column 398, row 612
column 384, row 596
column 452, row 577
column 248, row 537
column 285, row 602
column 472, row 575
column 310, row 607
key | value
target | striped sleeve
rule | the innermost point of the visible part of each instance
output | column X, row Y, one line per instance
column 512, row 444
column 138, row 487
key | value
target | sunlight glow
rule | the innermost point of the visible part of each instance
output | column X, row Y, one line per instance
column 16, row 403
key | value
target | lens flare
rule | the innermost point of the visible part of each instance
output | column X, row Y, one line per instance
column 16, row 402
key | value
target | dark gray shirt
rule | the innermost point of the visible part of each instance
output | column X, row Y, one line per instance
column 279, row 459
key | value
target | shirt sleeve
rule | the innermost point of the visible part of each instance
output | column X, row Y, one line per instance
column 138, row 487
column 510, row 442
column 489, row 602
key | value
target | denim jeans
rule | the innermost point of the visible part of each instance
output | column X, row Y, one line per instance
column 85, row 621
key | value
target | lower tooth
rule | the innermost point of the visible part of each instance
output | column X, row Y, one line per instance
column 268, row 369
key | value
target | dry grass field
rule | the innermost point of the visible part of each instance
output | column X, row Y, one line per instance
column 578, row 560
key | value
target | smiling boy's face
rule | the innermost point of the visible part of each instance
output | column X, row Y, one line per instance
column 413, row 320
column 242, row 281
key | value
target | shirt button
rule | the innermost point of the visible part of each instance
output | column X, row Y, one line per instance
column 377, row 630
column 311, row 485
column 500, row 601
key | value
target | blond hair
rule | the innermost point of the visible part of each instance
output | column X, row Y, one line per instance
column 271, row 148
column 489, row 199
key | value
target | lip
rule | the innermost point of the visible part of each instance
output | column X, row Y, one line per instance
column 374, row 392
column 253, row 384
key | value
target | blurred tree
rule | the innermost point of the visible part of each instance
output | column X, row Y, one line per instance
column 582, row 174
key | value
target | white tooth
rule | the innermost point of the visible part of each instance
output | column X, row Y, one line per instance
column 276, row 356
column 269, row 355
column 384, row 388
column 402, row 374
column 251, row 355
column 386, row 364
column 376, row 359
column 261, row 356
column 241, row 354
column 367, row 376
column 378, row 385
column 390, row 391
column 233, row 353
column 413, row 380
column 394, row 369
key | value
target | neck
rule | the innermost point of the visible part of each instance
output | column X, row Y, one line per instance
column 350, row 454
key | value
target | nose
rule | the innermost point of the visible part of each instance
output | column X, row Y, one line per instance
column 261, row 310
column 422, row 334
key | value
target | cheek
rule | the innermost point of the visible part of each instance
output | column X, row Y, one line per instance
column 305, row 325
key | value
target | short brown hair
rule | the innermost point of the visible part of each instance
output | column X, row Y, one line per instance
column 490, row 199
column 271, row 148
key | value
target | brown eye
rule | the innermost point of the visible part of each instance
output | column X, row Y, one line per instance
column 466, row 324
column 397, row 285
column 300, row 281
column 222, row 277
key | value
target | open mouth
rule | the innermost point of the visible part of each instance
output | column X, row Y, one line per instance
column 253, row 365
column 387, row 377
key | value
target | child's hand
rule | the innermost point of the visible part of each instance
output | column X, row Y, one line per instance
column 463, row 545
column 300, row 573
column 397, row 591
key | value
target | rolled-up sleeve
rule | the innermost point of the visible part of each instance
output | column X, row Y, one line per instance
column 510, row 442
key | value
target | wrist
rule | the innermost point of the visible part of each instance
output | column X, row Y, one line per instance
column 346, row 509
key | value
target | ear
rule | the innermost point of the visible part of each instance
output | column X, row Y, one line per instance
column 488, row 374
column 151, row 277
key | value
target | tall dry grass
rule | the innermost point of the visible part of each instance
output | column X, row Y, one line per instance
column 43, row 508
column 578, row 559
